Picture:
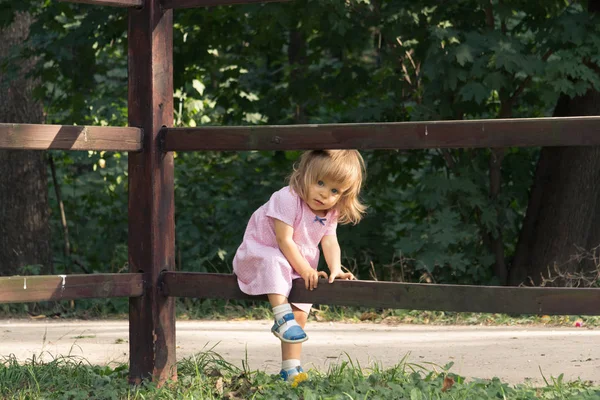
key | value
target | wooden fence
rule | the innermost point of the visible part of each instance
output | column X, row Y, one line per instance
column 152, row 283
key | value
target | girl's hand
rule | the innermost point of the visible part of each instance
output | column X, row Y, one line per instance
column 339, row 274
column 311, row 278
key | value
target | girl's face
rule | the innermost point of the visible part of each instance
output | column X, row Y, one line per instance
column 323, row 195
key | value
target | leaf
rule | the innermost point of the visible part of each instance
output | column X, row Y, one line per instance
column 448, row 383
column 415, row 394
column 463, row 54
column 474, row 91
column 489, row 219
column 199, row 86
column 369, row 316
column 451, row 79
column 430, row 259
column 409, row 245
column 496, row 80
column 562, row 85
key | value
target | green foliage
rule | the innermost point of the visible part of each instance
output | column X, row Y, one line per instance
column 82, row 54
column 436, row 216
column 431, row 213
column 208, row 376
column 212, row 202
column 94, row 191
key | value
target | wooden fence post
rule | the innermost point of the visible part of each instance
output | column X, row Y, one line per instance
column 151, row 198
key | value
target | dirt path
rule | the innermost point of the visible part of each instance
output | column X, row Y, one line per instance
column 514, row 354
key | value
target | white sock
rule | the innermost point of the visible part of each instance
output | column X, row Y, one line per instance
column 279, row 312
column 290, row 364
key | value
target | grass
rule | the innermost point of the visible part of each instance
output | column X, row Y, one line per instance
column 222, row 310
column 391, row 316
column 194, row 309
column 208, row 376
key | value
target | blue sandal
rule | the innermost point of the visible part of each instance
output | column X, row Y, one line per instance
column 290, row 373
column 294, row 334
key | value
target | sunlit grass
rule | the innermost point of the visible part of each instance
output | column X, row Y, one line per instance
column 211, row 309
column 231, row 310
column 207, row 375
column 391, row 316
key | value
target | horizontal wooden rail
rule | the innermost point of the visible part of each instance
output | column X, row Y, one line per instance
column 68, row 137
column 210, row 3
column 114, row 3
column 525, row 132
column 21, row 289
column 411, row 296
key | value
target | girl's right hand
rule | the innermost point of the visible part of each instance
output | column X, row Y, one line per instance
column 311, row 278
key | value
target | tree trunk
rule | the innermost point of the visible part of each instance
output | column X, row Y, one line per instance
column 24, row 227
column 560, row 232
column 562, row 216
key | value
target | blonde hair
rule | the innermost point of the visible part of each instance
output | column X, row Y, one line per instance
column 345, row 167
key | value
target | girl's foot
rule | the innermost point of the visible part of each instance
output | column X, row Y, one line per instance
column 292, row 372
column 293, row 375
column 287, row 329
column 289, row 374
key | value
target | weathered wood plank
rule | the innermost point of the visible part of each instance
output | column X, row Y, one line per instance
column 113, row 3
column 151, row 192
column 21, row 289
column 412, row 296
column 567, row 131
column 210, row 3
column 68, row 137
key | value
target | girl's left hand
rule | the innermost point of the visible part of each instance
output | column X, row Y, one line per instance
column 339, row 274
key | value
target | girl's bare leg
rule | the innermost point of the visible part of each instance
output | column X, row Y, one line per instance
column 277, row 299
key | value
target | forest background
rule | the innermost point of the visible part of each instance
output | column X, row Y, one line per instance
column 467, row 216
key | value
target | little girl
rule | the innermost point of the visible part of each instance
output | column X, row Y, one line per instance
column 282, row 238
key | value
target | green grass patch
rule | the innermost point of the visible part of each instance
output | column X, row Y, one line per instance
column 391, row 316
column 208, row 376
column 213, row 309
column 231, row 310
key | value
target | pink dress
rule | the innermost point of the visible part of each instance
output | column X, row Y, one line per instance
column 259, row 264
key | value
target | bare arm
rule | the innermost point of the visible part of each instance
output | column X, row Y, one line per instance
column 284, row 234
column 332, row 252
column 333, row 256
